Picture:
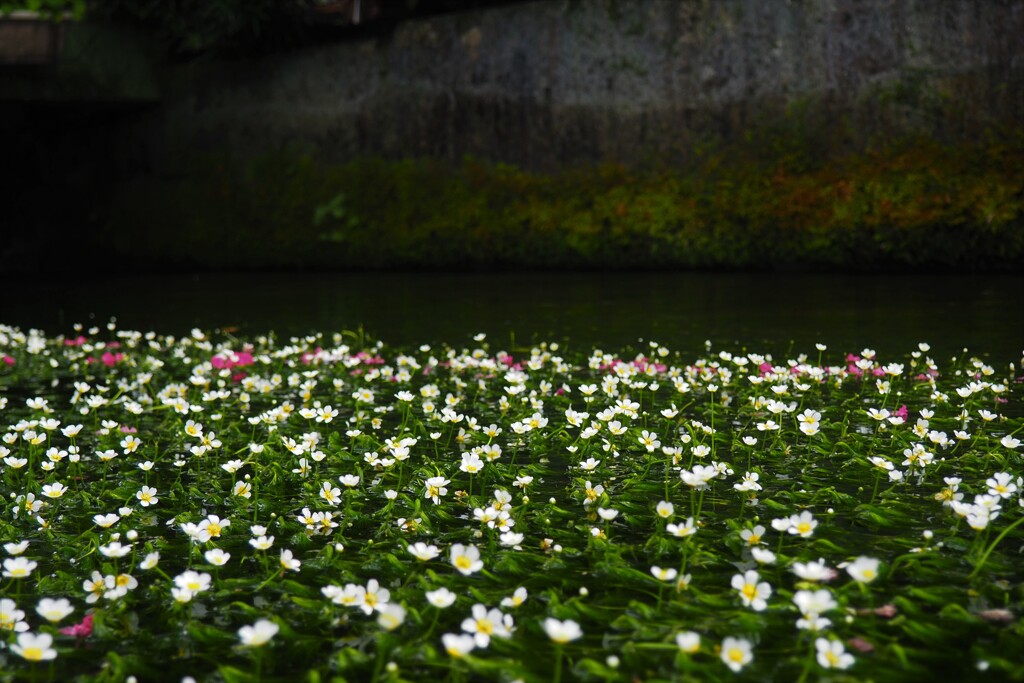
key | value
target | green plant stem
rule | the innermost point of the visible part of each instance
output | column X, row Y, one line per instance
column 992, row 546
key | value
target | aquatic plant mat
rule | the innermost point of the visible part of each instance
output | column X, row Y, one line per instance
column 328, row 508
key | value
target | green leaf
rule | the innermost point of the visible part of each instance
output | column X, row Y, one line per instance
column 235, row 675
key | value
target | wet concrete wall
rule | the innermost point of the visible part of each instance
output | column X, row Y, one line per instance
column 549, row 83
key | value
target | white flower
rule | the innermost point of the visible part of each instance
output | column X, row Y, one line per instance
column 748, row 483
column 485, row 623
column 1009, row 441
column 16, row 548
column 753, row 536
column 562, row 631
column 1001, row 484
column 289, row 562
column 511, row 539
column 115, row 549
column 106, row 520
column 682, row 530
column 193, row 581
column 262, row 542
column 832, row 654
column 11, row 618
column 18, row 567
column 802, row 525
column 436, row 489
column 34, row 647
column 54, row 610
column 688, row 641
column 258, row 634
column 391, row 616
column 811, row 605
column 373, row 597
column 55, row 490
column 471, row 463
column 664, row 574
column 736, row 653
column 458, row 645
column 863, row 569
column 441, row 598
column 754, row 594
column 516, row 599
column 330, row 493
column 466, row 559
column 217, row 557
column 147, row 496
column 422, row 551
column 814, row 571
column 699, row 477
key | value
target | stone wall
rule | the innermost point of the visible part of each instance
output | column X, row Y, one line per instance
column 567, row 82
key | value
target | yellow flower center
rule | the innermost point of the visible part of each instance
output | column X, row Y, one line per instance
column 32, row 654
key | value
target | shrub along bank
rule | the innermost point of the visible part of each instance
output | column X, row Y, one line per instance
column 915, row 206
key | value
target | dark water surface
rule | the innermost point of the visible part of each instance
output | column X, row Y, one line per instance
column 764, row 312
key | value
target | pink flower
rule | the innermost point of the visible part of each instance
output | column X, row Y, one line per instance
column 902, row 412
column 82, row 629
column 77, row 341
column 232, row 360
column 110, row 359
column 8, row 360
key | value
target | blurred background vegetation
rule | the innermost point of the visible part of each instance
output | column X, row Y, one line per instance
column 814, row 192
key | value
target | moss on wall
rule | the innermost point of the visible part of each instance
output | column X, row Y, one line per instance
column 911, row 206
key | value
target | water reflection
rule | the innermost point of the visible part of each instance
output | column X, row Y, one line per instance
column 762, row 311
